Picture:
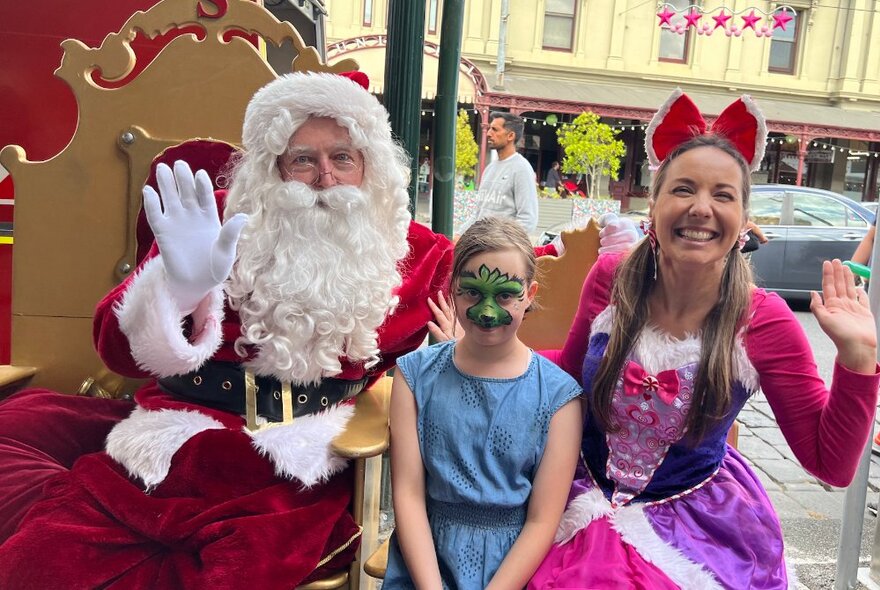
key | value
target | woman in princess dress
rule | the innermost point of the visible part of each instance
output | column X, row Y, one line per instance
column 670, row 341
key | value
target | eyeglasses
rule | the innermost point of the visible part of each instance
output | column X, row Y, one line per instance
column 306, row 169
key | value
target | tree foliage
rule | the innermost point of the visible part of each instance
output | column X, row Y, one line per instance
column 465, row 146
column 591, row 148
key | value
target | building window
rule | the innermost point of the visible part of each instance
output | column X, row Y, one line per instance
column 368, row 13
column 674, row 46
column 559, row 24
column 784, row 45
column 432, row 16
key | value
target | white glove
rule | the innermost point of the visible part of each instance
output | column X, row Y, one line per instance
column 197, row 251
column 618, row 234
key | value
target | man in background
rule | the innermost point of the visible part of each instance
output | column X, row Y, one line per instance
column 553, row 179
column 507, row 188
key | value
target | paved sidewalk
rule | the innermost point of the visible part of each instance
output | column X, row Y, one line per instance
column 810, row 511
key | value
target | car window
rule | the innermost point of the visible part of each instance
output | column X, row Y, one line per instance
column 818, row 211
column 766, row 208
column 853, row 219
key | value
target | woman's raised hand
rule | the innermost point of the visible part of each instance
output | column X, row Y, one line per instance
column 844, row 315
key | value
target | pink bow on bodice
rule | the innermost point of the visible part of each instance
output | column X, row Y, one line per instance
column 637, row 381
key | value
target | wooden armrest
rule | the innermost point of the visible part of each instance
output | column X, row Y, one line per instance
column 337, row 580
column 367, row 432
column 377, row 563
column 13, row 378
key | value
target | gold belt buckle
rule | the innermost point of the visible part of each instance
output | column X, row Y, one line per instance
column 250, row 400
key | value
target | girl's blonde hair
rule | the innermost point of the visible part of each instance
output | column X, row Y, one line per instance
column 633, row 284
column 492, row 234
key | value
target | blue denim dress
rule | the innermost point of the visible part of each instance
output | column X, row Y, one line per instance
column 481, row 442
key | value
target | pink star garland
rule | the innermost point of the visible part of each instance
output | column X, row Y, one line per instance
column 749, row 20
column 692, row 18
column 665, row 16
column 780, row 19
column 721, row 20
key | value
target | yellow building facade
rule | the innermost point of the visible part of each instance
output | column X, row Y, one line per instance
column 816, row 75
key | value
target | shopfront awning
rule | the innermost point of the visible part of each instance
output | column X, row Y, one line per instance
column 649, row 97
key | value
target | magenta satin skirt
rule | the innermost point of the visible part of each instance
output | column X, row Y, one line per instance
column 722, row 533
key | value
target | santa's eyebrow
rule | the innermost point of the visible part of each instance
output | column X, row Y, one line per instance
column 308, row 149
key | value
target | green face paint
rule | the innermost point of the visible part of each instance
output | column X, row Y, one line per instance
column 492, row 289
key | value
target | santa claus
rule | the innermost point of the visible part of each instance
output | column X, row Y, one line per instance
column 256, row 332
column 326, row 288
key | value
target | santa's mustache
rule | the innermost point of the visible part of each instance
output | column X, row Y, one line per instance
column 294, row 195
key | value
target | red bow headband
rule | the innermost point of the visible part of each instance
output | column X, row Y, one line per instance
column 678, row 120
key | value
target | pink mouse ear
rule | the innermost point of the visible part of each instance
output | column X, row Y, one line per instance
column 742, row 123
column 361, row 78
column 677, row 121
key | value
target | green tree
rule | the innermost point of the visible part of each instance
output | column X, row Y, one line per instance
column 591, row 148
column 465, row 146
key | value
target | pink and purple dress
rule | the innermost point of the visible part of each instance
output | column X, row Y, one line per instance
column 649, row 509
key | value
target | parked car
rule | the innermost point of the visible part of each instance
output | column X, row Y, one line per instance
column 870, row 206
column 805, row 226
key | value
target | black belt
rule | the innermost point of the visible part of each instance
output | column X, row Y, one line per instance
column 223, row 386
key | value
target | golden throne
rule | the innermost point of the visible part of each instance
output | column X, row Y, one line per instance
column 76, row 213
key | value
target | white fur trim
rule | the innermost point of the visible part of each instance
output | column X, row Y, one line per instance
column 760, row 133
column 153, row 324
column 302, row 450
column 145, row 442
column 635, row 530
column 657, row 351
column 580, row 512
column 656, row 121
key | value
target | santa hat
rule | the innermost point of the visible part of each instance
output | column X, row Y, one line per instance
column 278, row 109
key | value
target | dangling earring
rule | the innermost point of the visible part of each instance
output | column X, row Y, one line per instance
column 743, row 238
column 649, row 232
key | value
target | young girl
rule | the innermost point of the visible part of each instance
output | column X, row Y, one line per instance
column 483, row 430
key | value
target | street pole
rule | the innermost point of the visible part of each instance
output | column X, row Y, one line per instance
column 445, row 106
column 502, row 45
column 403, row 80
column 849, row 546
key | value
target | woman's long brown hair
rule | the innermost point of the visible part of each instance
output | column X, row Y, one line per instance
column 633, row 285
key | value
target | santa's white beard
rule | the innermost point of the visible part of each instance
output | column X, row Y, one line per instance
column 314, row 279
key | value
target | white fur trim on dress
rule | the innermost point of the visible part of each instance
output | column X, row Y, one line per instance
column 302, row 450
column 656, row 351
column 145, row 442
column 760, row 131
column 153, row 324
column 656, row 121
column 635, row 530
column 580, row 512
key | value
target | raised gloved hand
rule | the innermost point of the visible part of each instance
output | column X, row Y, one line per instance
column 618, row 234
column 197, row 251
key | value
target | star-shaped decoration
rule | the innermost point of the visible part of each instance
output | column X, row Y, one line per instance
column 780, row 19
column 721, row 19
column 692, row 18
column 665, row 16
column 749, row 20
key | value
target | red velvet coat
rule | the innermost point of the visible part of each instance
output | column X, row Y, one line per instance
column 217, row 516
